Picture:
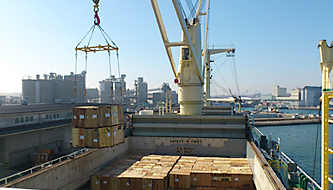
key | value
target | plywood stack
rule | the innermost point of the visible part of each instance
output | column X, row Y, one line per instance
column 180, row 175
column 201, row 172
column 151, row 172
column 233, row 173
column 136, row 172
column 155, row 172
column 211, row 173
column 97, row 127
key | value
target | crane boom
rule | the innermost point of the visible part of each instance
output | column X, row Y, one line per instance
column 189, row 77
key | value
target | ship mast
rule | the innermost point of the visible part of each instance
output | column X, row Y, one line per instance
column 189, row 76
column 326, row 64
column 208, row 53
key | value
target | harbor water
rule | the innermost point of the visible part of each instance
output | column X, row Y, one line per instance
column 299, row 142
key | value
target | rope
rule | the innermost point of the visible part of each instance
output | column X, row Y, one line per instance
column 221, row 87
column 315, row 154
column 85, row 35
column 223, row 79
column 110, row 63
column 182, row 9
column 107, row 35
column 86, row 68
column 75, row 74
column 92, row 32
column 118, row 64
column 235, row 75
column 220, row 65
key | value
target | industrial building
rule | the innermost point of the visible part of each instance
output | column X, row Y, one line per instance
column 141, row 91
column 2, row 98
column 52, row 87
column 112, row 90
column 310, row 95
column 279, row 91
column 299, row 97
column 92, row 95
column 160, row 96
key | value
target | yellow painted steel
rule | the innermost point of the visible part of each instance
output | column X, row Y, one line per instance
column 278, row 165
column 96, row 48
column 326, row 54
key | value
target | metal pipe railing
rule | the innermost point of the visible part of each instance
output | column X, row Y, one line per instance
column 311, row 182
column 41, row 166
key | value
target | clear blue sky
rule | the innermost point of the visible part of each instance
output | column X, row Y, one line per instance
column 276, row 41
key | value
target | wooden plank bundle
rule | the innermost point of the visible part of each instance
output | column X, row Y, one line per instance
column 155, row 172
column 97, row 127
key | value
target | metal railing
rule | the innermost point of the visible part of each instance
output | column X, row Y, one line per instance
column 312, row 184
column 41, row 166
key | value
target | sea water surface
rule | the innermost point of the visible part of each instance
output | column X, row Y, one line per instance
column 299, row 143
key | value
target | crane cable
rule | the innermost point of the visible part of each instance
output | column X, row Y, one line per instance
column 235, row 75
column 85, row 48
column 76, row 58
column 315, row 154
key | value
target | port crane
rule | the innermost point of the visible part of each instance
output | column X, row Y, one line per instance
column 189, row 76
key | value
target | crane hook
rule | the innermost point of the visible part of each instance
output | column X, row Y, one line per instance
column 96, row 9
column 97, row 20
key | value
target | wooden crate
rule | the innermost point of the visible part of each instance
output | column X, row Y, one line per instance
column 118, row 136
column 92, row 139
column 131, row 179
column 242, row 181
column 121, row 116
column 115, row 115
column 79, row 137
column 95, row 180
column 221, row 180
column 105, row 118
column 152, row 182
column 85, row 117
column 105, row 180
column 180, row 179
column 105, row 137
column 201, row 175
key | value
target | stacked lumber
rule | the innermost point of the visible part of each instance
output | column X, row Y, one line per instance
column 135, row 172
column 97, row 127
column 151, row 172
column 211, row 173
column 155, row 172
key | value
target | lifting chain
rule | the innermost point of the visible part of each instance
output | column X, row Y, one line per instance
column 96, row 9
